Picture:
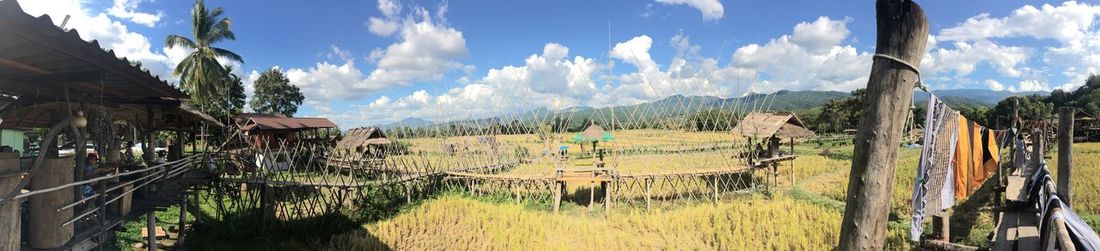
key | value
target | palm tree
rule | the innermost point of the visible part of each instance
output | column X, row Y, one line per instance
column 200, row 72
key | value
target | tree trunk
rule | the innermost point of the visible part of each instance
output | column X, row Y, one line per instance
column 1065, row 153
column 902, row 34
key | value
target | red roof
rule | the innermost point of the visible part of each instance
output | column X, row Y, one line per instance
column 278, row 123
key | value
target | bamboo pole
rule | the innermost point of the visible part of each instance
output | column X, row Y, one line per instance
column 1065, row 153
column 902, row 34
column 151, row 229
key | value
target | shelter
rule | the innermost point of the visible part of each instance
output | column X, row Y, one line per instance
column 1086, row 127
column 592, row 134
column 361, row 138
column 51, row 78
column 268, row 130
column 767, row 125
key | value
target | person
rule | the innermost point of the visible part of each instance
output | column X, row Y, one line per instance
column 90, row 165
column 129, row 152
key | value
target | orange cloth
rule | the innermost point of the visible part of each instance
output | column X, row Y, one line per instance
column 977, row 150
column 963, row 159
column 991, row 156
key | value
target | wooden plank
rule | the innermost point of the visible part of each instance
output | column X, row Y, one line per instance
column 1004, row 238
column 1027, row 237
column 1015, row 190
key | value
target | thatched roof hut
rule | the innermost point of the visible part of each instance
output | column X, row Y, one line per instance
column 362, row 137
column 766, row 125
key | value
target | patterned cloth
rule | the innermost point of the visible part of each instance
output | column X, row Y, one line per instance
column 939, row 144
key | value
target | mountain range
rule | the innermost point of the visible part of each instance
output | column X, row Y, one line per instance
column 679, row 105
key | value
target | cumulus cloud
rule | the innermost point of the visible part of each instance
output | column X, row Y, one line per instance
column 994, row 85
column 425, row 49
column 556, row 80
column 127, row 9
column 711, row 9
column 816, row 60
column 1065, row 34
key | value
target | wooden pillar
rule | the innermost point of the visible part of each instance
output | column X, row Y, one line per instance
column 792, row 162
column 902, row 34
column 559, row 188
column 1037, row 149
column 151, row 229
column 44, row 229
column 9, row 212
column 182, row 226
column 196, row 209
column 941, row 226
column 606, row 185
column 591, row 195
column 648, row 184
column 716, row 189
column 1065, row 153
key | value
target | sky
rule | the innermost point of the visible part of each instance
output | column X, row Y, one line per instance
column 363, row 63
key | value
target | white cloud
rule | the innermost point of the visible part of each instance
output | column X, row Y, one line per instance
column 382, row 27
column 1067, row 22
column 815, row 62
column 127, row 9
column 994, row 85
column 1065, row 38
column 1028, row 86
column 711, row 9
column 425, row 50
column 821, row 35
column 966, row 56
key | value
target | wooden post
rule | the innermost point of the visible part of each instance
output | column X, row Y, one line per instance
column 902, row 34
column 591, row 195
column 44, row 229
column 1065, row 153
column 941, row 226
column 196, row 209
column 716, row 189
column 9, row 212
column 151, row 229
column 559, row 188
column 606, row 185
column 647, row 187
column 183, row 222
column 1037, row 150
column 792, row 162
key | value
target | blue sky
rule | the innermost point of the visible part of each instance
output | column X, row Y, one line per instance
column 372, row 62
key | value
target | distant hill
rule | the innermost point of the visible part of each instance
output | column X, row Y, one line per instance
column 986, row 97
column 408, row 122
column 680, row 105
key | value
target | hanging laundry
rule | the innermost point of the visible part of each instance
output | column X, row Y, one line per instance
column 964, row 158
column 991, row 154
column 932, row 169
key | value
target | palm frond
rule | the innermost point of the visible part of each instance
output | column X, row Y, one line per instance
column 227, row 54
column 177, row 40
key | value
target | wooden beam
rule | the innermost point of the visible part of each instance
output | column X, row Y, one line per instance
column 21, row 66
column 1065, row 153
column 902, row 34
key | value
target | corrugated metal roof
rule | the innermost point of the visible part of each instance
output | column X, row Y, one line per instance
column 277, row 123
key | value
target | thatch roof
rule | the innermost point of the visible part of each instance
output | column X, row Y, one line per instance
column 361, row 137
column 764, row 125
column 593, row 132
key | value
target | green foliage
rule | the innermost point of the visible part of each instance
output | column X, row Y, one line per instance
column 200, row 72
column 839, row 114
column 1031, row 107
column 713, row 120
column 275, row 94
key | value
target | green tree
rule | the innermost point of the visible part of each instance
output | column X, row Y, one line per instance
column 839, row 114
column 200, row 72
column 232, row 98
column 1031, row 107
column 275, row 94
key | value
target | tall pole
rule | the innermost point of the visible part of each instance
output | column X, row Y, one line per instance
column 1065, row 152
column 902, row 35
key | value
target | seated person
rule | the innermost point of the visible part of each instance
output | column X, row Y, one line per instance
column 90, row 165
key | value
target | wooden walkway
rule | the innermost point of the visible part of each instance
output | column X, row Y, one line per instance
column 1018, row 226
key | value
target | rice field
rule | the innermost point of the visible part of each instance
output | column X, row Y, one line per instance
column 804, row 218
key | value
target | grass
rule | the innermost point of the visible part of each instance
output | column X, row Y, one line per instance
column 801, row 215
